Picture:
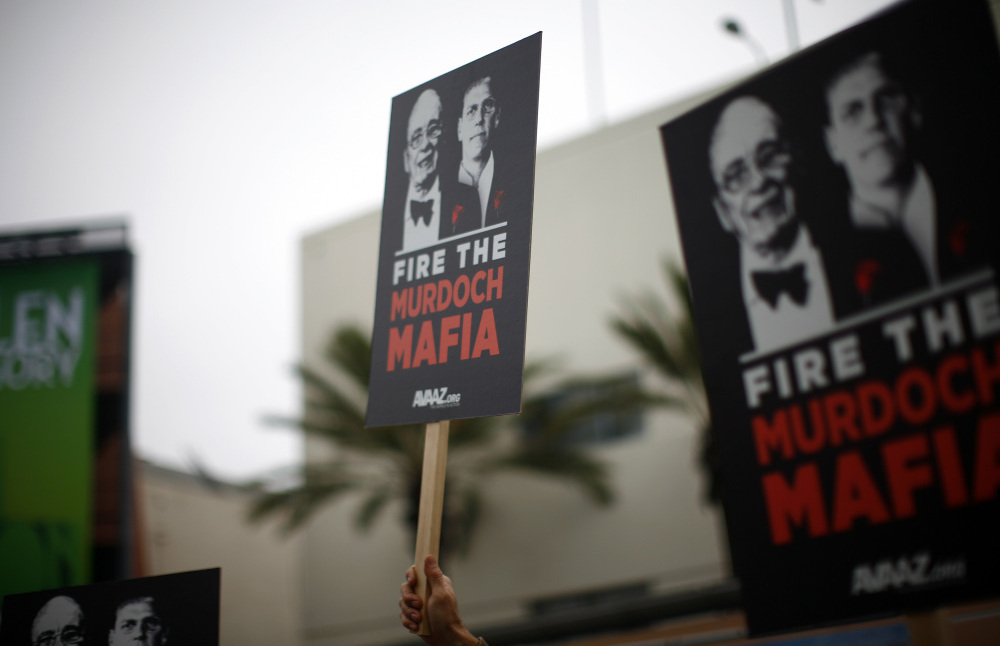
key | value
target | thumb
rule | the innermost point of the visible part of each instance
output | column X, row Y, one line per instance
column 436, row 579
column 434, row 574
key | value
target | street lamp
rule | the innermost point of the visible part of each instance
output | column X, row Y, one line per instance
column 791, row 31
column 734, row 28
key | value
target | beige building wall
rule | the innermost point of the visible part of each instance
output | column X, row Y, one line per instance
column 603, row 223
column 190, row 525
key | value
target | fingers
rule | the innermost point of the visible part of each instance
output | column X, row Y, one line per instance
column 409, row 602
column 409, row 618
column 409, row 586
column 410, row 582
column 408, row 590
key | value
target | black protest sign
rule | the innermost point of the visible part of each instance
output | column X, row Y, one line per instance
column 451, row 301
column 173, row 608
column 842, row 246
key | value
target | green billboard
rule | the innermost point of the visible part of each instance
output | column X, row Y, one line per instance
column 47, row 422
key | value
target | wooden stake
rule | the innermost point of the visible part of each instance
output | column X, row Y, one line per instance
column 431, row 506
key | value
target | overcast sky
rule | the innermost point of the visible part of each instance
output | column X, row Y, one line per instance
column 225, row 130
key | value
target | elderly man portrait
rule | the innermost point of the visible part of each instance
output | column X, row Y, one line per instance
column 782, row 273
column 478, row 123
column 871, row 133
column 58, row 622
column 138, row 623
column 422, row 222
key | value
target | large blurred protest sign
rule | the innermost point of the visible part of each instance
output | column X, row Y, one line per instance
column 840, row 233
column 448, row 338
column 64, row 459
column 178, row 608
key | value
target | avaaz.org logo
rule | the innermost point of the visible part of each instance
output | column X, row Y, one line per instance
column 915, row 571
column 436, row 398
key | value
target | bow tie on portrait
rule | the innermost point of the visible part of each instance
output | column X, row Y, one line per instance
column 421, row 211
column 792, row 281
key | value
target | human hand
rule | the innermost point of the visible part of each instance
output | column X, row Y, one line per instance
column 445, row 624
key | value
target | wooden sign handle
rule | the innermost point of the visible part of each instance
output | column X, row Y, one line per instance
column 431, row 506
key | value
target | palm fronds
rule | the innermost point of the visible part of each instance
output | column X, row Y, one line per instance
column 665, row 338
column 384, row 465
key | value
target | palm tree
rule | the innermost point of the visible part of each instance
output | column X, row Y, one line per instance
column 664, row 336
column 384, row 465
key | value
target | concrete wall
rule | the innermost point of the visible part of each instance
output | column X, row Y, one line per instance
column 191, row 526
column 603, row 223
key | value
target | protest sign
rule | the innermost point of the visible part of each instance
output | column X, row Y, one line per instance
column 841, row 242
column 452, row 292
column 173, row 608
column 451, row 300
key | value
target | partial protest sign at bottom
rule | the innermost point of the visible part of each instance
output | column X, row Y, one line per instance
column 177, row 608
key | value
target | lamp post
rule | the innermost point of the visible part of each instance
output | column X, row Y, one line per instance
column 592, row 63
column 791, row 26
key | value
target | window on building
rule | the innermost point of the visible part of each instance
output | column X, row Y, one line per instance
column 606, row 407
